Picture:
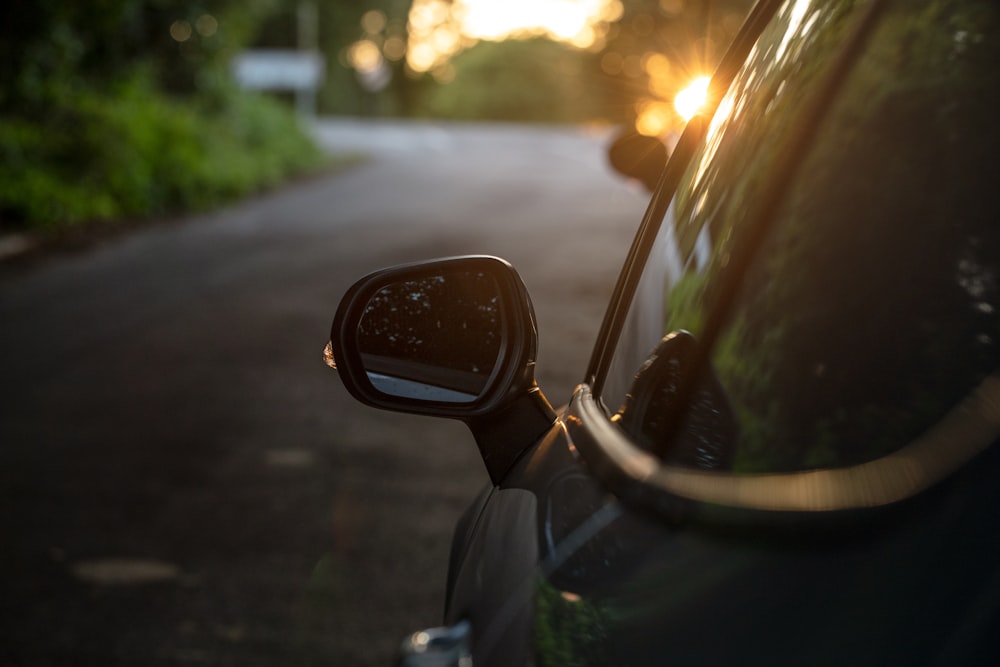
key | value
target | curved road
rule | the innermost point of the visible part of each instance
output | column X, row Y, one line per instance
column 184, row 481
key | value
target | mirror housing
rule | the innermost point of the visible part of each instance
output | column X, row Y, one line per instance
column 453, row 337
column 637, row 156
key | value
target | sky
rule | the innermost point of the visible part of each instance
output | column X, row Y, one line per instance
column 439, row 29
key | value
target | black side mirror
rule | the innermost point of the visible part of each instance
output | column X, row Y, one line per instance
column 638, row 156
column 677, row 408
column 452, row 338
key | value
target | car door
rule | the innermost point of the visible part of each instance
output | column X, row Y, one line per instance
column 783, row 450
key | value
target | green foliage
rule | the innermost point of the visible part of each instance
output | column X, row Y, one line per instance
column 858, row 325
column 107, row 114
column 336, row 27
column 47, row 44
column 130, row 151
column 570, row 631
column 534, row 80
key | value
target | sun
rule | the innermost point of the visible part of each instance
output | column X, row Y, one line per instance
column 689, row 101
column 658, row 117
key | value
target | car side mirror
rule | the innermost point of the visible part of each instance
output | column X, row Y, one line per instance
column 451, row 338
column 638, row 156
column 677, row 408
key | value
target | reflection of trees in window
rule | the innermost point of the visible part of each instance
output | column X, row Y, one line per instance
column 874, row 305
column 569, row 629
column 450, row 321
column 739, row 154
column 726, row 181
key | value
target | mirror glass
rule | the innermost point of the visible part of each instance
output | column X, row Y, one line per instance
column 433, row 338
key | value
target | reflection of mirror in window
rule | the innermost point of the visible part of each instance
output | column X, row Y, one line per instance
column 433, row 338
column 678, row 411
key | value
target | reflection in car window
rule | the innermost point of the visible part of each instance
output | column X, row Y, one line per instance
column 871, row 307
column 725, row 174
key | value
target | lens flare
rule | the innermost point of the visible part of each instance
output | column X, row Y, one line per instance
column 690, row 100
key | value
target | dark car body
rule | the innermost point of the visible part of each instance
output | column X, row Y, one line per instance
column 784, row 449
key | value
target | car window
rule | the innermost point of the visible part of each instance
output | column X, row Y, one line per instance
column 870, row 308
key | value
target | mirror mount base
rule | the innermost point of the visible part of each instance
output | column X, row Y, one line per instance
column 501, row 435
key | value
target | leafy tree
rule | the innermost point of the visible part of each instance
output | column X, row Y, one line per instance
column 56, row 45
column 519, row 80
column 122, row 108
column 332, row 27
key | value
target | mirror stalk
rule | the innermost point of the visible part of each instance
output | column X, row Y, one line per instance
column 497, row 434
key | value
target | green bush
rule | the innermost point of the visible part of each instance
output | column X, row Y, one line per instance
column 131, row 151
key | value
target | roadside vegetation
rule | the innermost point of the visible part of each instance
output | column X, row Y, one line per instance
column 131, row 151
column 108, row 116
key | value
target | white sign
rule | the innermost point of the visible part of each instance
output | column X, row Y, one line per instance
column 277, row 69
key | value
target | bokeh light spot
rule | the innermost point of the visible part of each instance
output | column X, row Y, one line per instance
column 655, row 119
column 394, row 48
column 206, row 25
column 364, row 56
column 632, row 66
column 672, row 7
column 373, row 22
column 180, row 31
column 444, row 73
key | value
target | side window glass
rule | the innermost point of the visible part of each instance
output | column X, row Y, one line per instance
column 872, row 306
column 723, row 178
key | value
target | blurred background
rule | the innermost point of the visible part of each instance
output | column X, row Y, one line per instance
column 122, row 108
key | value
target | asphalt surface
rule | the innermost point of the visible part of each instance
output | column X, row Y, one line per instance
column 184, row 482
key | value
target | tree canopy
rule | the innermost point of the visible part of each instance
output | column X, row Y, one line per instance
column 118, row 109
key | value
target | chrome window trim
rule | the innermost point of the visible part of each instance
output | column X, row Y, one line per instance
column 969, row 429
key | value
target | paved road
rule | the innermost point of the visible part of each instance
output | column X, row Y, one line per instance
column 184, row 482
